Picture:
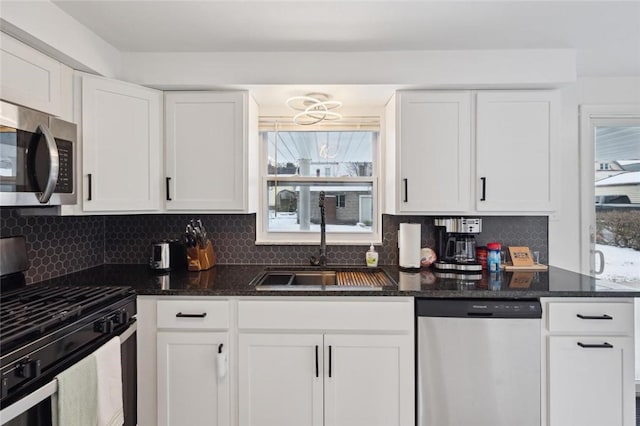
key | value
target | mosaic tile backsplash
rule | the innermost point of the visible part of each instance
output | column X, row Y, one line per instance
column 56, row 245
column 60, row 245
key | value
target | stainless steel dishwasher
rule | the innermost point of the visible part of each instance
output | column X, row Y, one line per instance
column 478, row 362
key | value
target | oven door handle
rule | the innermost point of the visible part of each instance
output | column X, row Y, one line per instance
column 130, row 331
column 54, row 164
column 24, row 404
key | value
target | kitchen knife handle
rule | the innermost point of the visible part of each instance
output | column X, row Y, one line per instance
column 484, row 189
column 595, row 317
column 317, row 367
column 406, row 189
column 329, row 360
column 604, row 345
column 89, row 189
column 168, row 193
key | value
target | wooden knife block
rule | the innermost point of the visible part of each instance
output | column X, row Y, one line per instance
column 201, row 259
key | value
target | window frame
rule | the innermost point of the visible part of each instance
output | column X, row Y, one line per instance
column 266, row 237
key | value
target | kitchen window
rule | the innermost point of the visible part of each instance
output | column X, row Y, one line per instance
column 298, row 162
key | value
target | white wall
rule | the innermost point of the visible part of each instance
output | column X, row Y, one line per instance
column 44, row 26
column 564, row 230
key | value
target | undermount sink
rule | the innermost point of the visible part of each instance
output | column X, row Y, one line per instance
column 334, row 279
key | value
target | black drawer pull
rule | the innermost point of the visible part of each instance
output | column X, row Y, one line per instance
column 406, row 190
column 604, row 345
column 181, row 315
column 317, row 367
column 89, row 178
column 595, row 317
column 329, row 360
column 220, row 348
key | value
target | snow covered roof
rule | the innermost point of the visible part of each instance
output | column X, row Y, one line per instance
column 627, row 178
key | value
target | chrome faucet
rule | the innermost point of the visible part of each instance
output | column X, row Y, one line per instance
column 322, row 259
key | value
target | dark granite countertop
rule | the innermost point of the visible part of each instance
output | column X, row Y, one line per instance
column 235, row 280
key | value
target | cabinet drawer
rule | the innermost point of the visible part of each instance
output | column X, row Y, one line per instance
column 594, row 317
column 393, row 316
column 193, row 314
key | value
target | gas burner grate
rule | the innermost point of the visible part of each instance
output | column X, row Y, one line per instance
column 33, row 310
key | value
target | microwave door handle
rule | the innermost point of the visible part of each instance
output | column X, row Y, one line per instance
column 54, row 161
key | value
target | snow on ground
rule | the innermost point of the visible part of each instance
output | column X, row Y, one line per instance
column 621, row 267
column 286, row 222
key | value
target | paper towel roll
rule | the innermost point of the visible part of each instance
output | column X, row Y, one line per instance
column 409, row 245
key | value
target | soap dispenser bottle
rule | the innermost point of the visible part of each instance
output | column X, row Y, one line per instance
column 372, row 257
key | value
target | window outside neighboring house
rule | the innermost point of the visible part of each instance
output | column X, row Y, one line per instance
column 298, row 162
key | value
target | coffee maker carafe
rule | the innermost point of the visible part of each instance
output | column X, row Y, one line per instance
column 461, row 248
column 456, row 244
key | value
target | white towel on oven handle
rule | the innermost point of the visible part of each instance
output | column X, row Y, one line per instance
column 75, row 402
column 109, row 381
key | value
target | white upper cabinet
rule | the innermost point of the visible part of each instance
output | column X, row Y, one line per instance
column 122, row 146
column 434, row 150
column 516, row 150
column 28, row 77
column 207, row 163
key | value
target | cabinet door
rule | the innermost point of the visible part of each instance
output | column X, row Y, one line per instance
column 434, row 136
column 516, row 146
column 193, row 383
column 369, row 380
column 280, row 380
column 121, row 141
column 205, row 151
column 28, row 77
column 592, row 385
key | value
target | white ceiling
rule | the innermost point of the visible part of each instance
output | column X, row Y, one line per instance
column 605, row 34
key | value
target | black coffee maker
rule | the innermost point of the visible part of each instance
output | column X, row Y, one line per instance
column 456, row 244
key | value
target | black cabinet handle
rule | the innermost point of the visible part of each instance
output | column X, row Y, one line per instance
column 484, row 189
column 604, row 345
column 168, row 194
column 329, row 360
column 406, row 189
column 595, row 317
column 181, row 315
column 317, row 367
column 89, row 189
column 220, row 348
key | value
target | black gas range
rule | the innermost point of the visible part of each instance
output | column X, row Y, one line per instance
column 46, row 329
column 43, row 330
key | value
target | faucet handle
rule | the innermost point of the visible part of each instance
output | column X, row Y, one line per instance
column 314, row 261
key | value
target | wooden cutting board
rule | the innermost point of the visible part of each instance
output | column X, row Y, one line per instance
column 535, row 267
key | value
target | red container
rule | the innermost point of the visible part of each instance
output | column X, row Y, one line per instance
column 481, row 255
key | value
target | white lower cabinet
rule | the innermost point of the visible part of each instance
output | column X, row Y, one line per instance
column 367, row 377
column 587, row 378
column 590, row 362
column 193, row 378
column 185, row 361
column 312, row 365
column 280, row 379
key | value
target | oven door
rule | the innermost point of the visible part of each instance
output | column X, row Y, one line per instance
column 35, row 408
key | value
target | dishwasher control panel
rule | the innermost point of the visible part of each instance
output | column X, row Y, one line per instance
column 478, row 308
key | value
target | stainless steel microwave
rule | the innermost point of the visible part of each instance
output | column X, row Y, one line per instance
column 37, row 153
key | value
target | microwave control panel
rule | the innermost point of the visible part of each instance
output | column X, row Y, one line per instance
column 65, row 173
